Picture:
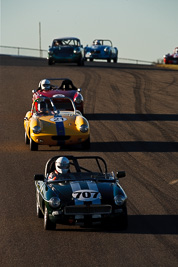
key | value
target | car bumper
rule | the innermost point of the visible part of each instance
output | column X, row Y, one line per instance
column 65, row 59
column 85, row 219
column 98, row 56
column 57, row 140
column 171, row 60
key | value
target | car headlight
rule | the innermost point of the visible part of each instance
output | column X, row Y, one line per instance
column 106, row 50
column 84, row 128
column 54, row 202
column 78, row 99
column 77, row 50
column 119, row 200
column 36, row 129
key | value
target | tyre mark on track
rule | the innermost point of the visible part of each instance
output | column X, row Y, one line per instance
column 142, row 105
column 91, row 82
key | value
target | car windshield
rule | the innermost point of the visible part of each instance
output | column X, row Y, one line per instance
column 102, row 42
column 80, row 176
column 59, row 104
column 62, row 104
column 62, row 83
column 66, row 42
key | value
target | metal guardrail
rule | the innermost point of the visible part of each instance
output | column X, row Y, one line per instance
column 22, row 51
column 137, row 61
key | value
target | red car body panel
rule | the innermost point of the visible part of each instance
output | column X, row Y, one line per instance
column 171, row 58
column 72, row 93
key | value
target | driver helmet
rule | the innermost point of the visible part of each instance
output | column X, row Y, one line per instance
column 45, row 85
column 97, row 42
column 62, row 165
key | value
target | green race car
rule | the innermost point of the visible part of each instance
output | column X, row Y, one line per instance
column 66, row 50
column 82, row 195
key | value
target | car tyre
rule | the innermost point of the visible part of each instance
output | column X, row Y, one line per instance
column 48, row 225
column 27, row 140
column 38, row 210
column 50, row 62
column 81, row 62
column 86, row 144
column 123, row 220
column 33, row 145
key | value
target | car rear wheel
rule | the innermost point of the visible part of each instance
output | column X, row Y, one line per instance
column 27, row 140
column 33, row 145
column 48, row 225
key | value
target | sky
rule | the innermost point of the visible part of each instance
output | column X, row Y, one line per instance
column 140, row 29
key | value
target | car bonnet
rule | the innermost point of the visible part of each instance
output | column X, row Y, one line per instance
column 81, row 192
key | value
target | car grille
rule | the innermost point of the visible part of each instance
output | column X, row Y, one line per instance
column 95, row 51
column 86, row 210
column 61, row 137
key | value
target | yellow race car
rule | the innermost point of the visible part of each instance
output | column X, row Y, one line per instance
column 55, row 122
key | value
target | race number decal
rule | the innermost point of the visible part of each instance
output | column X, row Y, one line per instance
column 58, row 119
column 86, row 195
column 58, row 95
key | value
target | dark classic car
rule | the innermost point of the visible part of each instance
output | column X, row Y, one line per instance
column 61, row 86
column 83, row 196
column 66, row 50
column 171, row 58
column 101, row 49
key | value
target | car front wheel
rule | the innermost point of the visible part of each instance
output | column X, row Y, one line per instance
column 50, row 62
column 86, row 144
column 122, row 222
column 38, row 210
column 81, row 62
column 48, row 225
column 33, row 145
column 27, row 140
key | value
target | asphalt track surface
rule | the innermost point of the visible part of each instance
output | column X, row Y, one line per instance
column 132, row 110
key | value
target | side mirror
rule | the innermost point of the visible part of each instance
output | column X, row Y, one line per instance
column 25, row 119
column 79, row 90
column 33, row 91
column 39, row 177
column 120, row 174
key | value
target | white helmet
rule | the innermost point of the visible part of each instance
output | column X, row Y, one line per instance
column 44, row 84
column 62, row 165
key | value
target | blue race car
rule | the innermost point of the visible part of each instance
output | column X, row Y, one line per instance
column 66, row 50
column 101, row 49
